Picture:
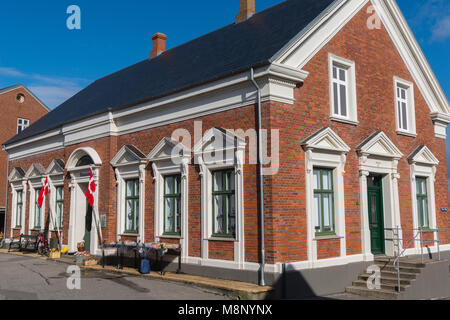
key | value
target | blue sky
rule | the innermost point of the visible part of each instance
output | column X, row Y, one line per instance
column 38, row 50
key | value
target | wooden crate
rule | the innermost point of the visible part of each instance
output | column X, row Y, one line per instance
column 55, row 255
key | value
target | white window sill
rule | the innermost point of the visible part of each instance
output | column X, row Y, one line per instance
column 344, row 120
column 168, row 236
column 330, row 237
column 408, row 134
column 129, row 235
column 222, row 239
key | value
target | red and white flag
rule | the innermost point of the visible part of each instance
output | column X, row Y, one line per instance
column 44, row 192
column 91, row 190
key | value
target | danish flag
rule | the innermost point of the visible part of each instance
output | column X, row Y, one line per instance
column 44, row 192
column 91, row 190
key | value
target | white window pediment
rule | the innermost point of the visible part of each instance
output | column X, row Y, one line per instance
column 378, row 144
column 168, row 149
column 56, row 167
column 326, row 139
column 128, row 155
column 35, row 171
column 422, row 155
column 218, row 146
column 17, row 174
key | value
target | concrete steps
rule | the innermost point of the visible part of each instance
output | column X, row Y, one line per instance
column 409, row 271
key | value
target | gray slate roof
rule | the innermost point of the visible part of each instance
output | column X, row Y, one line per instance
column 224, row 52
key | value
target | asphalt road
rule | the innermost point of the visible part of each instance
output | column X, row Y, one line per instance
column 23, row 278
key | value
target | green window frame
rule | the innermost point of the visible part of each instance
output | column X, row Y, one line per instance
column 59, row 207
column 422, row 202
column 132, row 206
column 37, row 210
column 19, row 208
column 224, row 203
column 172, row 205
column 324, row 201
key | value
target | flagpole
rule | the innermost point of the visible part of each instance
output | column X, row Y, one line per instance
column 97, row 219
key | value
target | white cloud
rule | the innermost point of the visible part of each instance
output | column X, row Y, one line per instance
column 51, row 90
column 441, row 30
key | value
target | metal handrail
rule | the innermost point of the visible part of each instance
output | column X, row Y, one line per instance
column 396, row 239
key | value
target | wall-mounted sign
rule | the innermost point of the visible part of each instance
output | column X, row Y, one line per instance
column 103, row 220
column 444, row 209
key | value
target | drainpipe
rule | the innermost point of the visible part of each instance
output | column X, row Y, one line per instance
column 6, row 197
column 261, row 182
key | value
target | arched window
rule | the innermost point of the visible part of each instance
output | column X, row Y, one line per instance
column 85, row 161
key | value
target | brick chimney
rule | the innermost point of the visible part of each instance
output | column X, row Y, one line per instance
column 246, row 10
column 159, row 44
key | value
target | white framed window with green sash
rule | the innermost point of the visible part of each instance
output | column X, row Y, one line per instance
column 132, row 206
column 19, row 209
column 172, row 205
column 59, row 207
column 224, row 203
column 324, row 201
column 422, row 202
column 37, row 213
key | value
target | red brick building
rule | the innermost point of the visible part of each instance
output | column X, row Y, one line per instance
column 355, row 123
column 20, row 108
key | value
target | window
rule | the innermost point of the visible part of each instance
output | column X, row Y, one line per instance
column 172, row 205
column 19, row 209
column 37, row 210
column 340, row 85
column 224, row 205
column 22, row 124
column 132, row 206
column 404, row 107
column 422, row 202
column 59, row 205
column 323, row 201
column 402, row 111
column 343, row 90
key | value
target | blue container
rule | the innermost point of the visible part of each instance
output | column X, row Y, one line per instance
column 145, row 266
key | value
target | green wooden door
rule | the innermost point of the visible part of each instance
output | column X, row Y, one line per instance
column 88, row 227
column 376, row 221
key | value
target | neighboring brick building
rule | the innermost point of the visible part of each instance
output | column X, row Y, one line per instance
column 20, row 108
column 354, row 107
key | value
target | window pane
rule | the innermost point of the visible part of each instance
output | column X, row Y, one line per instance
column 326, row 179
column 218, row 214
column 405, row 122
column 218, row 183
column 129, row 188
column 403, row 93
column 232, row 181
column 59, row 193
column 129, row 215
column 136, row 216
column 232, row 215
column 343, row 96
column 316, row 179
column 336, row 98
column 334, row 72
column 178, row 217
column 425, row 212
column 136, row 188
column 317, row 212
column 342, row 73
column 327, row 212
column 169, row 210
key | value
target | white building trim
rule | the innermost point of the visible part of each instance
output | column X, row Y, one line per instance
column 18, row 183
column 170, row 157
column 129, row 163
column 325, row 149
column 36, row 179
column 221, row 149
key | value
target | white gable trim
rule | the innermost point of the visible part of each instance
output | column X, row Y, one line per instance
column 55, row 168
column 155, row 154
column 124, row 151
column 424, row 156
column 35, row 168
column 301, row 50
column 326, row 139
column 15, row 175
column 380, row 145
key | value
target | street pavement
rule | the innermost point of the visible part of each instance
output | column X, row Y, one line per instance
column 24, row 278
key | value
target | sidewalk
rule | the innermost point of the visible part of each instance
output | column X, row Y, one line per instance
column 241, row 290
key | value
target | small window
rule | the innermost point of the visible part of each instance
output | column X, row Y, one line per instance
column 132, row 206
column 340, row 88
column 323, row 201
column 422, row 202
column 37, row 210
column 343, row 90
column 59, row 206
column 224, row 203
column 404, row 107
column 20, row 98
column 19, row 209
column 22, row 124
column 172, row 205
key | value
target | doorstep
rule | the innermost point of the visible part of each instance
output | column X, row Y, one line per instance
column 237, row 289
